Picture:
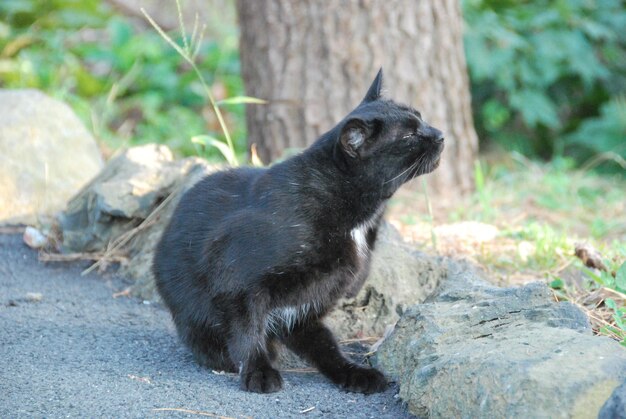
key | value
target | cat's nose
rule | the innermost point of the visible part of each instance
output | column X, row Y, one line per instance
column 436, row 136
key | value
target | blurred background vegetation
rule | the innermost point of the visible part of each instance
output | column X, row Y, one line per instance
column 118, row 74
column 548, row 78
column 548, row 84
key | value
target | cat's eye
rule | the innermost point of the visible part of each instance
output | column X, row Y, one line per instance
column 407, row 136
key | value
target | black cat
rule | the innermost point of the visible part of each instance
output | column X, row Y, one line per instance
column 253, row 257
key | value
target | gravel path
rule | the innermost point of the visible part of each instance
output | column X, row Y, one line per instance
column 69, row 349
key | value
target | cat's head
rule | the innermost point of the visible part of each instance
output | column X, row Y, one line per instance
column 387, row 143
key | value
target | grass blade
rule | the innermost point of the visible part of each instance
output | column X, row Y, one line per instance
column 237, row 100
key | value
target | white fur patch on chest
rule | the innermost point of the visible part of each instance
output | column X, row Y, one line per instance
column 359, row 234
column 287, row 317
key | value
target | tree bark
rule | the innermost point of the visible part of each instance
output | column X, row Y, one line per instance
column 313, row 61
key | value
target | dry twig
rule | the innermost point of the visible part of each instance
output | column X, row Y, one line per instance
column 118, row 243
column 363, row 339
column 12, row 229
column 72, row 257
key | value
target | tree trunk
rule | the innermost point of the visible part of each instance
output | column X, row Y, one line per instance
column 313, row 60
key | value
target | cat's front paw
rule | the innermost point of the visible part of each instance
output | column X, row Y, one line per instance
column 261, row 380
column 363, row 380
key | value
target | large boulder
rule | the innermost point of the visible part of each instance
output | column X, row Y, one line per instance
column 475, row 350
column 46, row 156
column 615, row 406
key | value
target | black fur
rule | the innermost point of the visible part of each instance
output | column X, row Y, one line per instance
column 253, row 257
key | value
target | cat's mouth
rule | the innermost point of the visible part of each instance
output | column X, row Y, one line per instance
column 436, row 163
column 437, row 160
column 425, row 168
column 431, row 165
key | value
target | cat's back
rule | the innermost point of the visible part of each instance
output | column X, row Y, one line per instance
column 199, row 213
column 215, row 197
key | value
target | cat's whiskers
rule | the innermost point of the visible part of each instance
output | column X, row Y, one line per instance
column 420, row 163
column 408, row 170
column 396, row 177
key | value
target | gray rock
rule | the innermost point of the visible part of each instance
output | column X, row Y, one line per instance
column 46, row 156
column 400, row 276
column 132, row 197
column 121, row 197
column 476, row 351
column 142, row 246
column 615, row 406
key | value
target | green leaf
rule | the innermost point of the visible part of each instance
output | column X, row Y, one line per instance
column 619, row 321
column 605, row 132
column 536, row 108
column 607, row 279
column 495, row 115
column 227, row 152
column 556, row 284
column 595, row 30
column 479, row 177
column 609, row 302
column 237, row 100
column 620, row 277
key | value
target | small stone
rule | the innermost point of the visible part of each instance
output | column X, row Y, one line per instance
column 34, row 238
column 525, row 250
column 34, row 297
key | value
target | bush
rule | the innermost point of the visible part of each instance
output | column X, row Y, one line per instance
column 124, row 81
column 547, row 75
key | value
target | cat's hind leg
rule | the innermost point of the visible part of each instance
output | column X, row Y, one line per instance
column 249, row 347
column 208, row 347
column 314, row 342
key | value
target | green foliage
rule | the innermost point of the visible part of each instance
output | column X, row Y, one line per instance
column 541, row 211
column 617, row 283
column 606, row 133
column 483, row 193
column 540, row 69
column 546, row 245
column 619, row 317
column 125, row 82
column 606, row 279
column 188, row 52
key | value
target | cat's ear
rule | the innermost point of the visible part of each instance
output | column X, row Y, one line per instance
column 373, row 93
column 353, row 135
